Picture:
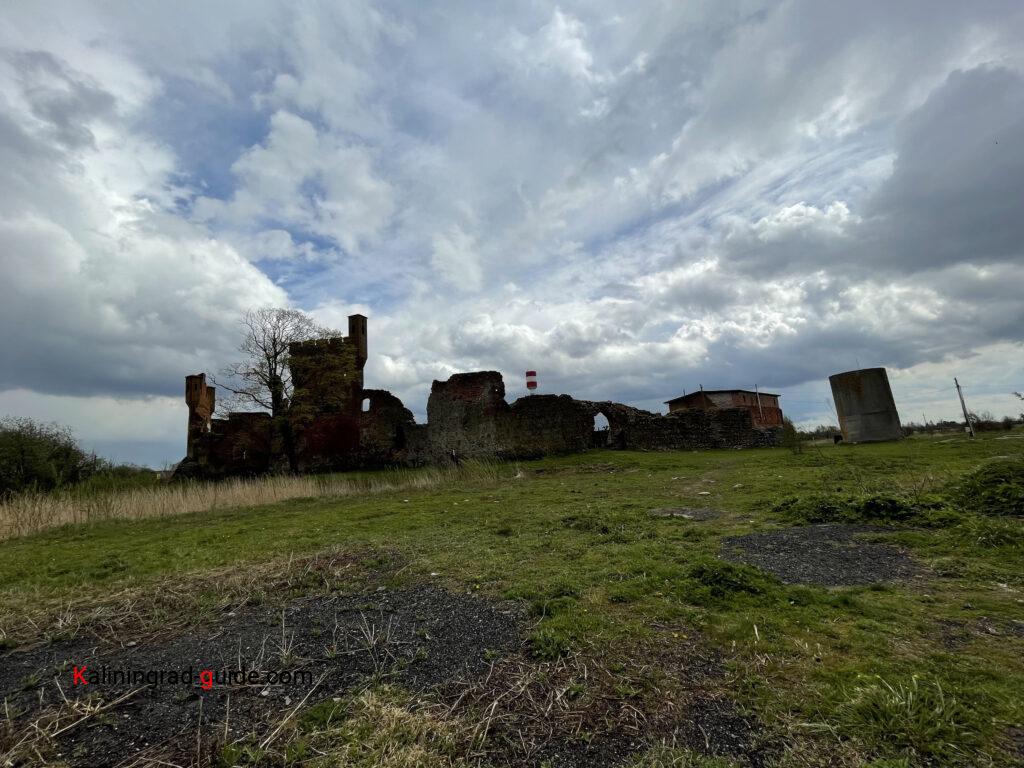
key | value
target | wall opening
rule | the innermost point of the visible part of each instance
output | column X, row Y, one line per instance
column 366, row 405
column 599, row 437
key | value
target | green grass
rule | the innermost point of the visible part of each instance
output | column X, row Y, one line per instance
column 572, row 540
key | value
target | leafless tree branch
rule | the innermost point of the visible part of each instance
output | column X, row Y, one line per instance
column 263, row 379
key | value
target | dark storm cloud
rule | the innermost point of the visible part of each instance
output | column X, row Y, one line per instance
column 957, row 188
column 64, row 101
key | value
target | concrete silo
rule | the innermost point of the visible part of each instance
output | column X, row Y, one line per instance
column 864, row 404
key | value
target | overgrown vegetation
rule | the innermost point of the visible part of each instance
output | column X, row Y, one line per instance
column 995, row 489
column 791, row 437
column 878, row 508
column 381, row 727
column 913, row 719
column 41, row 458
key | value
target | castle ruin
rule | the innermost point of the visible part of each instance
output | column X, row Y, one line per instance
column 334, row 423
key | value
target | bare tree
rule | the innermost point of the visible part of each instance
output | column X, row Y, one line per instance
column 263, row 378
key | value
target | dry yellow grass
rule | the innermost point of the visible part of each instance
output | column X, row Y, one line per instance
column 36, row 512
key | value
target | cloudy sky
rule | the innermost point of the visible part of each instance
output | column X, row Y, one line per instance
column 634, row 199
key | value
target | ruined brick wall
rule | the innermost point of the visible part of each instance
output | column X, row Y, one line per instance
column 240, row 445
column 541, row 425
column 384, row 429
column 694, row 430
column 465, row 417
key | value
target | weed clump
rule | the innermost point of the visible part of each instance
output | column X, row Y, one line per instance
column 874, row 508
column 547, row 644
column 384, row 726
column 714, row 581
column 917, row 721
column 997, row 489
column 991, row 533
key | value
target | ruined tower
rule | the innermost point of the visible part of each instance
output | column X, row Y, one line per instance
column 357, row 336
column 201, row 400
column 327, row 394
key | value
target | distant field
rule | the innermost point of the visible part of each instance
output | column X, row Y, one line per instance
column 608, row 608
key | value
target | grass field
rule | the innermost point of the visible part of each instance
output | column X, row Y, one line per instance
column 615, row 606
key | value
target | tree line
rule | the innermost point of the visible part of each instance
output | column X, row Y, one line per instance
column 41, row 457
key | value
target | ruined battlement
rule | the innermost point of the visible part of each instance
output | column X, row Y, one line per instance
column 316, row 347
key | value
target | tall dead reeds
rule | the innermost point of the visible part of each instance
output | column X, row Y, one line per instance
column 35, row 512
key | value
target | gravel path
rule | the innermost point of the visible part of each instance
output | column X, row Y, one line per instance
column 828, row 555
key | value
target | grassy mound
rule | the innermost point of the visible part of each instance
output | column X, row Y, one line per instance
column 995, row 489
column 874, row 508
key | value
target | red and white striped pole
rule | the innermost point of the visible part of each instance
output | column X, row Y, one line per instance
column 531, row 380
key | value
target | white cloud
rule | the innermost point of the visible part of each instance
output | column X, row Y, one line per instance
column 561, row 43
column 308, row 180
column 455, row 258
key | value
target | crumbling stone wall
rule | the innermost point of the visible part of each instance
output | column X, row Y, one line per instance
column 467, row 417
column 240, row 445
column 634, row 429
column 540, row 425
column 385, row 427
column 334, row 424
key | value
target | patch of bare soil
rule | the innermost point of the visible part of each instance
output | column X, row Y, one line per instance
column 687, row 513
column 317, row 647
column 295, row 649
column 829, row 555
column 581, row 712
column 955, row 633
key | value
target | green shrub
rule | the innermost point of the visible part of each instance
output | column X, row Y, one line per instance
column 37, row 457
column 917, row 720
column 995, row 489
column 791, row 438
column 40, row 457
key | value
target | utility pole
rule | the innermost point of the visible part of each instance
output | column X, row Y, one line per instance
column 963, row 405
column 760, row 410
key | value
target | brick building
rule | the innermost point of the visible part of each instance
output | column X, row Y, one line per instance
column 763, row 406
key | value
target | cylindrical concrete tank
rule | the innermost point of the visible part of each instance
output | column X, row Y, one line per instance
column 865, row 406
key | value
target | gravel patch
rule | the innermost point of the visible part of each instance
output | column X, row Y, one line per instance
column 687, row 513
column 828, row 555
